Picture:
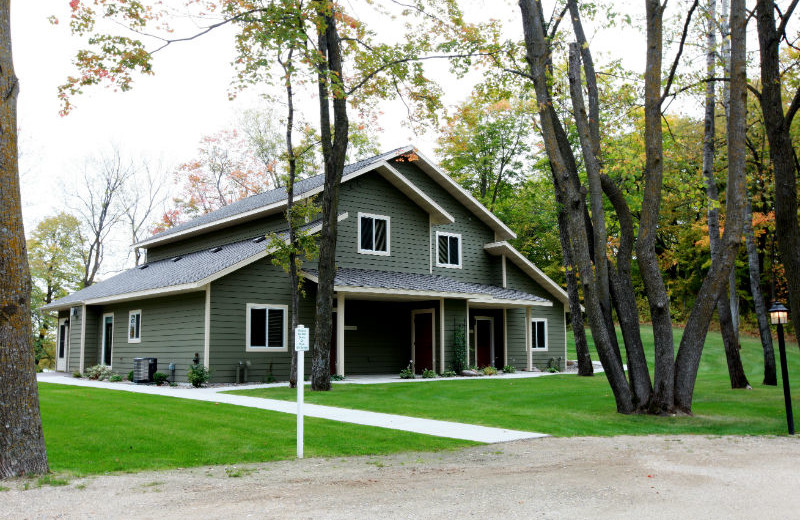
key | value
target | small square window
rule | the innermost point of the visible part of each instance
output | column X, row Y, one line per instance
column 266, row 327
column 538, row 334
column 373, row 234
column 448, row 250
column 135, row 326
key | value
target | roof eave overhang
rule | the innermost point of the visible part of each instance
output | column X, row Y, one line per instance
column 503, row 302
column 504, row 248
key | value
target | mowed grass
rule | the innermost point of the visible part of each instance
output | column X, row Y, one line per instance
column 91, row 431
column 568, row 405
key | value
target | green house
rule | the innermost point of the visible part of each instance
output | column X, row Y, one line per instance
column 418, row 258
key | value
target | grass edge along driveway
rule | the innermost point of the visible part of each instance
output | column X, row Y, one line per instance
column 567, row 405
column 93, row 431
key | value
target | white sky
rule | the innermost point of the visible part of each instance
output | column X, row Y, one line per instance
column 162, row 118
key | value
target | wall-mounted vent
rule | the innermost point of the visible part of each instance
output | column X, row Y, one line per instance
column 258, row 240
column 216, row 249
column 176, row 258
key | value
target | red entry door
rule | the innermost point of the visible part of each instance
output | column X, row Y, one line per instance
column 483, row 342
column 423, row 341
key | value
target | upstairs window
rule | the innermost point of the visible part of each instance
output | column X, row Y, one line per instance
column 448, row 247
column 538, row 334
column 266, row 327
column 135, row 326
column 373, row 234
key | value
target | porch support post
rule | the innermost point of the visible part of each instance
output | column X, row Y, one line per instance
column 83, row 339
column 466, row 336
column 340, row 334
column 528, row 338
column 505, row 337
column 441, row 335
column 207, row 329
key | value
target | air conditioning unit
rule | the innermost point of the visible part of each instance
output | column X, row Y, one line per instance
column 144, row 368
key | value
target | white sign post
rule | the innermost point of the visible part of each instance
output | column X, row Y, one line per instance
column 301, row 347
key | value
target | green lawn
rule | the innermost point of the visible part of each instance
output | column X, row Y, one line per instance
column 90, row 431
column 567, row 405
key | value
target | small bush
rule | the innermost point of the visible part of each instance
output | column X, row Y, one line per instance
column 554, row 365
column 408, row 372
column 448, row 373
column 115, row 378
column 428, row 374
column 98, row 372
column 77, row 374
column 160, row 378
column 130, row 375
column 337, row 377
column 489, row 371
column 459, row 349
column 509, row 369
column 198, row 375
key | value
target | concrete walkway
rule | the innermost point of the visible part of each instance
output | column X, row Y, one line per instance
column 448, row 429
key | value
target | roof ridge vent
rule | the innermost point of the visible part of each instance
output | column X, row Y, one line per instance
column 144, row 266
column 177, row 258
column 216, row 249
column 260, row 239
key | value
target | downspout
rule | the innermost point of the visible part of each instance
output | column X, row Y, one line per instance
column 207, row 329
column 83, row 338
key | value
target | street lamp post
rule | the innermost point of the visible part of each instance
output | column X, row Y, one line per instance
column 780, row 315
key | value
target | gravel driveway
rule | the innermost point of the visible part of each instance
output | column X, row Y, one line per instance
column 616, row 477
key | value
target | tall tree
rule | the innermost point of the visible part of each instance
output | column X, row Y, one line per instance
column 777, row 124
column 100, row 207
column 142, row 196
column 22, row 448
column 55, row 259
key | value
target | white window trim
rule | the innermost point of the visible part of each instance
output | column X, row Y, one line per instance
column 285, row 347
column 103, row 338
column 460, row 249
column 130, row 314
column 546, row 337
column 388, row 235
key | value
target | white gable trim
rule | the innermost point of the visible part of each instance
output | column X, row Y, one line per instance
column 504, row 248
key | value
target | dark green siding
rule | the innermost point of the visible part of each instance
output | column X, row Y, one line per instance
column 476, row 264
column 235, row 233
column 556, row 340
column 172, row 330
column 408, row 227
column 455, row 316
column 381, row 341
column 260, row 282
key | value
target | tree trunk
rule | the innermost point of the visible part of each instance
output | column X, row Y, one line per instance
column 770, row 374
column 536, row 49
column 334, row 149
column 726, row 321
column 712, row 290
column 22, row 448
column 781, row 152
column 293, row 267
column 585, row 367
column 663, row 398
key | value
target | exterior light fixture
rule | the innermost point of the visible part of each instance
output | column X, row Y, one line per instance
column 779, row 315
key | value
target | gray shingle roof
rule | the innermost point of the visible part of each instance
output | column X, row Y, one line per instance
column 267, row 198
column 390, row 280
column 190, row 268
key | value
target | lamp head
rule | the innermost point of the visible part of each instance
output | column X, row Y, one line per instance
column 778, row 313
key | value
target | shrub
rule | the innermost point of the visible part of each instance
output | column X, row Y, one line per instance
column 115, row 378
column 509, row 369
column 160, row 378
column 77, row 374
column 459, row 349
column 428, row 374
column 554, row 365
column 130, row 375
column 489, row 371
column 448, row 373
column 407, row 373
column 337, row 377
column 98, row 372
column 198, row 375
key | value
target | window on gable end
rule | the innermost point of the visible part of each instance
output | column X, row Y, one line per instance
column 373, row 234
column 448, row 247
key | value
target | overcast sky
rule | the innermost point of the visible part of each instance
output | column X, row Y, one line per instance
column 161, row 119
